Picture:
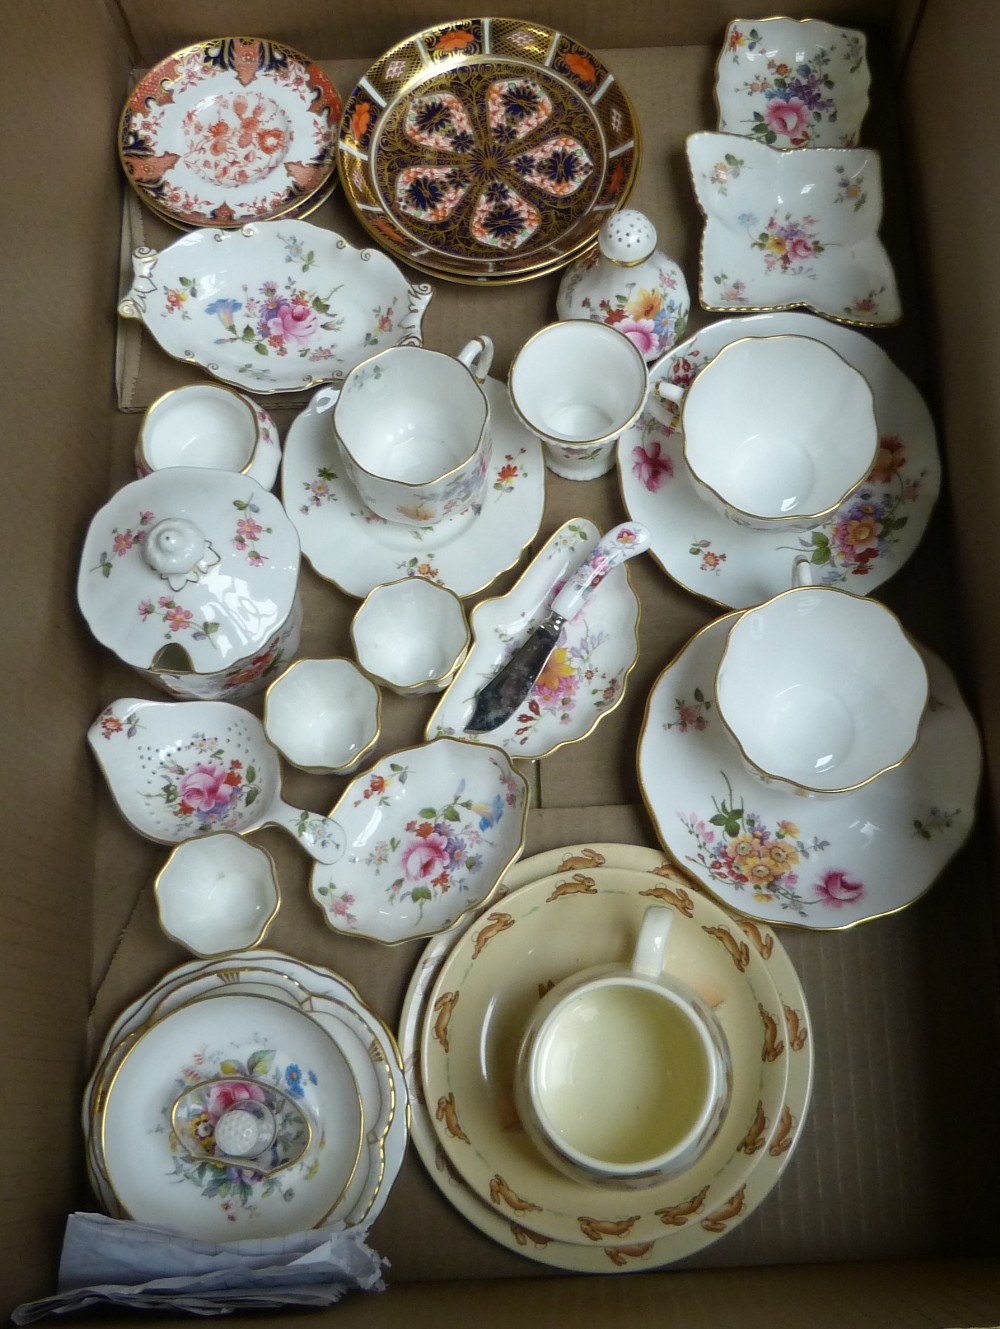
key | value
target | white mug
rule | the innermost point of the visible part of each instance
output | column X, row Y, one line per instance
column 820, row 689
column 622, row 1075
column 778, row 431
column 413, row 430
column 578, row 386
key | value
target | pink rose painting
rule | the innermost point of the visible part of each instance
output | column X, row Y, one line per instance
column 206, row 787
column 651, row 465
column 221, row 1097
column 835, row 889
column 789, row 118
column 296, row 323
column 426, row 856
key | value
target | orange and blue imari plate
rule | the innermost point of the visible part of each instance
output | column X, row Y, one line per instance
column 230, row 131
column 489, row 149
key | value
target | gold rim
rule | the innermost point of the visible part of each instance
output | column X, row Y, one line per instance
column 784, row 779
column 322, row 189
column 779, row 519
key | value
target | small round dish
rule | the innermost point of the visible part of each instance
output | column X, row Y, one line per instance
column 430, row 832
column 209, row 425
column 217, row 895
column 229, row 131
column 323, row 716
column 411, row 636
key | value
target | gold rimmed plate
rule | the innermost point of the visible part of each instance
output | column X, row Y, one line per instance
column 487, row 149
column 228, row 131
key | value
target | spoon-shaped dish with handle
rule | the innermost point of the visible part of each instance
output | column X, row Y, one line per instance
column 182, row 769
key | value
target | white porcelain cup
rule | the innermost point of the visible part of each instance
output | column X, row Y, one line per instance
column 209, row 425
column 323, row 716
column 622, row 1074
column 778, row 431
column 411, row 636
column 578, row 386
column 821, row 690
column 413, row 430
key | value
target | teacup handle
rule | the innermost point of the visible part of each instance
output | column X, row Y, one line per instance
column 477, row 356
column 802, row 573
column 651, row 948
column 665, row 391
column 325, row 399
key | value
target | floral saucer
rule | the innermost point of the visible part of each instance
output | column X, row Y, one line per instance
column 430, row 832
column 869, row 538
column 273, row 307
column 687, row 1228
column 792, row 228
column 484, row 996
column 262, row 1041
column 825, row 862
column 362, row 1037
column 793, row 83
column 487, row 149
column 585, row 676
column 229, row 131
column 348, row 545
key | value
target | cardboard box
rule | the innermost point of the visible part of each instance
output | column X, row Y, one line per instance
column 886, row 1214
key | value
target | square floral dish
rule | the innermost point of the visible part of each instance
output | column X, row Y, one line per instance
column 793, row 83
column 790, row 229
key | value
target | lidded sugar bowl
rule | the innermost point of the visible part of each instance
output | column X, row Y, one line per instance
column 630, row 284
column 190, row 576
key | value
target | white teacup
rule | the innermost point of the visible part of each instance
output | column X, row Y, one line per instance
column 413, row 430
column 209, row 425
column 578, row 386
column 821, row 690
column 778, row 431
column 411, row 636
column 622, row 1075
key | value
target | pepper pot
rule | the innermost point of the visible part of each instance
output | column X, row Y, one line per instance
column 630, row 284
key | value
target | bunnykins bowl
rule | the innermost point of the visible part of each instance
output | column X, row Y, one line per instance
column 430, row 831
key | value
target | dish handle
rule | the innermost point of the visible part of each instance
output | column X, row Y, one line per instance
column 417, row 297
column 321, row 837
column 143, row 262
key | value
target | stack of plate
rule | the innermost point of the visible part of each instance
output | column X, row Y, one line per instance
column 470, row 998
column 487, row 150
column 254, row 1017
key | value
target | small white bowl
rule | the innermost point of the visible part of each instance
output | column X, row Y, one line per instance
column 323, row 716
column 217, row 894
column 411, row 636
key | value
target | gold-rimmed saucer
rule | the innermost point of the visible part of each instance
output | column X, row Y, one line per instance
column 687, row 1228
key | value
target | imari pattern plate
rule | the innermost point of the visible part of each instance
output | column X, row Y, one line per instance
column 229, row 131
column 487, row 149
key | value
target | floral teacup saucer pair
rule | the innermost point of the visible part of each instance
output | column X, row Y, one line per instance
column 351, row 547
column 820, row 862
column 868, row 538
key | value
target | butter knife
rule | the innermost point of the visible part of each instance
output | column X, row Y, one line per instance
column 499, row 699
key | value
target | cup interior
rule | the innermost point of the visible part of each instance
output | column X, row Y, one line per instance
column 578, row 382
column 410, row 415
column 217, row 894
column 780, row 427
column 821, row 688
column 322, row 714
column 622, row 1076
column 410, row 632
column 202, row 425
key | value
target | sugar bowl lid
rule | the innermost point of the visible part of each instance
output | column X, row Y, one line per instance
column 199, row 563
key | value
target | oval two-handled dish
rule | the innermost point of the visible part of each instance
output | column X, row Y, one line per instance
column 275, row 306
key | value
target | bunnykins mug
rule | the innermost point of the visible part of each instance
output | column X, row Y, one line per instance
column 622, row 1075
column 413, row 430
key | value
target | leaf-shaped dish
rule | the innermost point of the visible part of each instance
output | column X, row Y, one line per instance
column 274, row 307
column 584, row 677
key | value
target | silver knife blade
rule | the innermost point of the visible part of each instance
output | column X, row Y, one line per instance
column 507, row 689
